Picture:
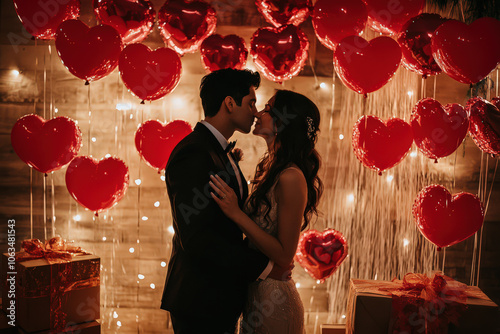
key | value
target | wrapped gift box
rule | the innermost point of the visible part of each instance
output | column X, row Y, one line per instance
column 92, row 327
column 333, row 329
column 53, row 295
column 370, row 310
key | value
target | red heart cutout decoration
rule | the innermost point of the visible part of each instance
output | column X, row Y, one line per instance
column 46, row 145
column 133, row 19
column 148, row 74
column 184, row 25
column 378, row 145
column 219, row 52
column 415, row 41
column 335, row 20
column 41, row 18
column 155, row 140
column 284, row 12
column 467, row 53
column 388, row 17
column 365, row 66
column 279, row 53
column 97, row 185
column 483, row 135
column 88, row 53
column 438, row 131
column 321, row 254
column 444, row 219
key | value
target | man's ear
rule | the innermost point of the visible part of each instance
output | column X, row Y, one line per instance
column 230, row 103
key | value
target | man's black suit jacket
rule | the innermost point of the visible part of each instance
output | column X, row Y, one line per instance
column 210, row 266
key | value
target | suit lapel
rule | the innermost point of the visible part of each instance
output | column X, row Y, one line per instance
column 221, row 159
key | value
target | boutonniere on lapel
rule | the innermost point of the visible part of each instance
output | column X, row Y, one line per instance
column 238, row 155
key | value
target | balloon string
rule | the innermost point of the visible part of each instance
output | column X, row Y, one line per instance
column 435, row 84
column 31, row 203
column 35, row 91
column 423, row 93
column 51, row 115
column 480, row 195
column 444, row 258
column 45, row 117
column 314, row 72
column 90, row 119
column 139, row 206
column 496, row 86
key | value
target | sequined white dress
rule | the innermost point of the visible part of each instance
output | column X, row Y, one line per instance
column 273, row 307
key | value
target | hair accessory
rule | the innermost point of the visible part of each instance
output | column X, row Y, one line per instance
column 311, row 128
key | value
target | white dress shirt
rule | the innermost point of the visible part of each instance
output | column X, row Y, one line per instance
column 223, row 142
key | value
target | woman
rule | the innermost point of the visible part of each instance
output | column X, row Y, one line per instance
column 286, row 191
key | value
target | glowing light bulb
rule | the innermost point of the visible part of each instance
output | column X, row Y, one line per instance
column 406, row 242
column 163, row 264
column 350, row 198
column 107, row 155
column 94, row 139
column 152, row 285
column 103, row 238
column 413, row 154
column 297, row 285
column 171, row 229
column 341, row 136
column 77, row 218
column 138, row 182
column 119, row 323
column 157, row 204
column 141, row 276
column 131, row 249
column 15, row 73
column 144, row 218
column 115, row 315
column 410, row 93
column 162, row 177
column 322, row 85
column 390, row 178
column 56, row 110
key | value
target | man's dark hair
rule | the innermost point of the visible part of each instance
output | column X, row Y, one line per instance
column 216, row 86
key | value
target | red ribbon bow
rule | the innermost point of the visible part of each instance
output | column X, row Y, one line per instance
column 55, row 250
column 429, row 304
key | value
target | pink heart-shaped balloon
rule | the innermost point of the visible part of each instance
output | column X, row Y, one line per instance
column 467, row 53
column 284, row 12
column 438, row 131
column 335, row 20
column 155, row 140
column 219, row 52
column 133, row 19
column 88, row 53
column 97, row 185
column 148, row 74
column 388, row 17
column 365, row 66
column 445, row 219
column 46, row 145
column 41, row 18
column 279, row 53
column 184, row 25
column 321, row 254
column 482, row 133
column 381, row 145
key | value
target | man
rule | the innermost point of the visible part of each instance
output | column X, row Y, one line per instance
column 211, row 265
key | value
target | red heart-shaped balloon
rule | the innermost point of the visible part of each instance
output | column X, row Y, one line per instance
column 335, row 20
column 279, row 53
column 46, row 145
column 321, row 254
column 184, row 25
column 284, row 12
column 133, row 19
column 467, row 53
column 444, row 219
column 148, row 74
column 483, row 135
column 378, row 145
column 365, row 66
column 219, row 52
column 388, row 17
column 97, row 185
column 438, row 131
column 155, row 140
column 41, row 18
column 88, row 53
column 415, row 41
